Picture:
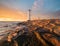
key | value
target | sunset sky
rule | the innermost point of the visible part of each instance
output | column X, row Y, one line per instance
column 18, row 9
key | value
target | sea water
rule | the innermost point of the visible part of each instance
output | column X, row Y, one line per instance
column 6, row 26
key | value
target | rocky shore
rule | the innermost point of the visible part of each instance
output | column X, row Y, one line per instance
column 34, row 33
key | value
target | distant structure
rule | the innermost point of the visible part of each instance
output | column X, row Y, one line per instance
column 29, row 18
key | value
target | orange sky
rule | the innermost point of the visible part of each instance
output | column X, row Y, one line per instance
column 7, row 14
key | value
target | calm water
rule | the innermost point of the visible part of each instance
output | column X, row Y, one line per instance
column 5, row 26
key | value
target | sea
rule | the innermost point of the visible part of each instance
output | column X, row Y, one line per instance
column 6, row 26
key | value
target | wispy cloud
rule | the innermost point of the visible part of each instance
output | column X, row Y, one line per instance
column 8, row 14
column 38, row 4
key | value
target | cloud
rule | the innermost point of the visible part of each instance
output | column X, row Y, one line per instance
column 51, row 15
column 56, row 14
column 8, row 14
column 38, row 4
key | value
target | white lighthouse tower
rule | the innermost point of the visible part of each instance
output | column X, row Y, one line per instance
column 29, row 17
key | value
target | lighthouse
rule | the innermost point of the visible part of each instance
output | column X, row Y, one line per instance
column 29, row 17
